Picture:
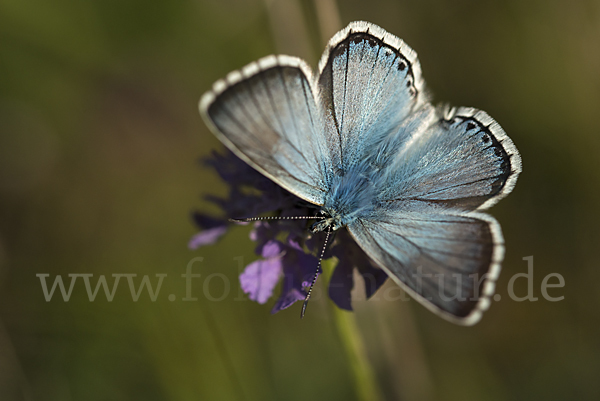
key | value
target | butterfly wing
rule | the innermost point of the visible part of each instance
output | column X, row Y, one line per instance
column 370, row 82
column 371, row 87
column 425, row 232
column 300, row 130
column 267, row 113
column 461, row 159
column 448, row 262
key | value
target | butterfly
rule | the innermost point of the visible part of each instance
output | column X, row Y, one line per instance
column 360, row 139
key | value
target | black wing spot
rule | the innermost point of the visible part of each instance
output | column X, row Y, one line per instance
column 340, row 49
column 485, row 138
column 498, row 152
column 401, row 66
column 357, row 39
column 408, row 83
column 470, row 126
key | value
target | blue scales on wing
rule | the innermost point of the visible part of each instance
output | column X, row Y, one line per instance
column 449, row 262
column 460, row 159
column 267, row 114
column 370, row 82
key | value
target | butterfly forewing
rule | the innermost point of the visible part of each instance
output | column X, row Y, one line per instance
column 370, row 82
column 266, row 113
column 463, row 160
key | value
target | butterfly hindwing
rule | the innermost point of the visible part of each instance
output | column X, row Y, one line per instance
column 447, row 262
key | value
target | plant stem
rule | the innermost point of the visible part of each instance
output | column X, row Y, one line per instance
column 365, row 382
column 364, row 377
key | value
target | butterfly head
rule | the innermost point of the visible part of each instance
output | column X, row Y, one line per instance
column 329, row 223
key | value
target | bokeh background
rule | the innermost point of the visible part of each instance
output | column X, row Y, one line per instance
column 99, row 146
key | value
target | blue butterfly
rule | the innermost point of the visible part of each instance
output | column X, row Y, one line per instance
column 361, row 140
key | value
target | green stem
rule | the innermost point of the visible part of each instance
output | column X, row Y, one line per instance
column 365, row 382
column 364, row 377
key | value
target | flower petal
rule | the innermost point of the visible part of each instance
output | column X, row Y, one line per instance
column 287, row 299
column 261, row 232
column 272, row 249
column 373, row 277
column 260, row 278
column 207, row 237
column 206, row 222
column 341, row 284
column 298, row 269
column 350, row 256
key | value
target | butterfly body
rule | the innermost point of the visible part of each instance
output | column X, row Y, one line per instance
column 361, row 140
column 351, row 196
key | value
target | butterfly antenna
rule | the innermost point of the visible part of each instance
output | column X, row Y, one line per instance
column 314, row 280
column 249, row 219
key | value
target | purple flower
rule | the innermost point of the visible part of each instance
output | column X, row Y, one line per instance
column 212, row 230
column 207, row 237
column 292, row 261
column 260, row 277
column 298, row 271
column 350, row 256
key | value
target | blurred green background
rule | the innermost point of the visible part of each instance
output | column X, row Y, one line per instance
column 99, row 142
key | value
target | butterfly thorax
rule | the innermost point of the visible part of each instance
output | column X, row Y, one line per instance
column 350, row 197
